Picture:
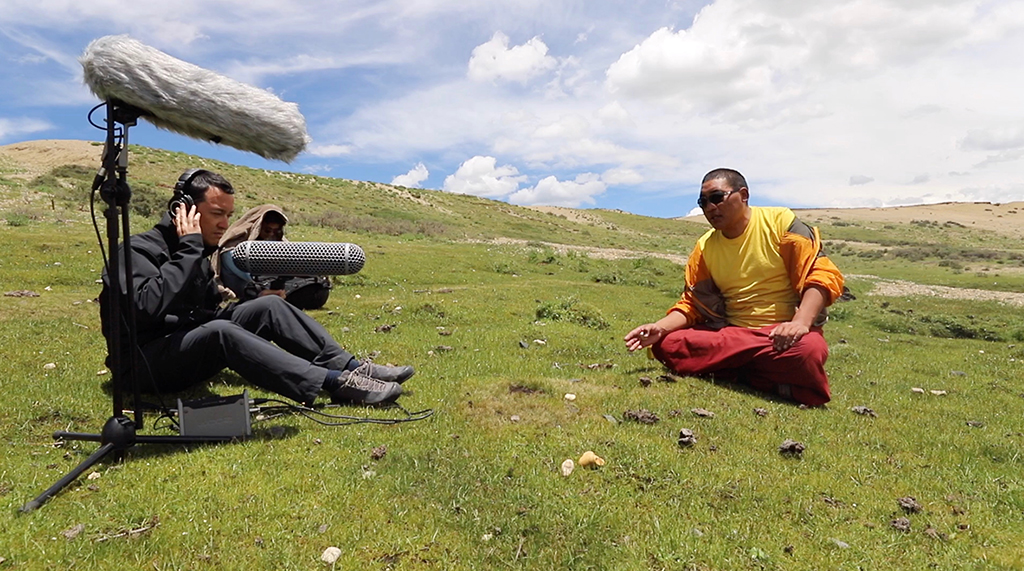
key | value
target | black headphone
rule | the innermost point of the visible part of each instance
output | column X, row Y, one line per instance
column 181, row 197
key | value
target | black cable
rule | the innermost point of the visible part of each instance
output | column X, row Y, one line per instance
column 312, row 413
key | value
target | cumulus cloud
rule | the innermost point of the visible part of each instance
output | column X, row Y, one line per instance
column 326, row 151
column 413, row 178
column 495, row 60
column 552, row 192
column 859, row 179
column 999, row 139
column 16, row 127
column 480, row 176
column 744, row 58
column 623, row 176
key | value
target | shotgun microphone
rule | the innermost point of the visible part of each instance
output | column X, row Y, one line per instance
column 195, row 102
column 269, row 258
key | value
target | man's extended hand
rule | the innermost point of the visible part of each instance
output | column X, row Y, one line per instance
column 644, row 336
column 787, row 334
column 187, row 222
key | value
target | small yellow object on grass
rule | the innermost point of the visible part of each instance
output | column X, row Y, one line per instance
column 590, row 460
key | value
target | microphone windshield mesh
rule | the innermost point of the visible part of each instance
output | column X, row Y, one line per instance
column 266, row 258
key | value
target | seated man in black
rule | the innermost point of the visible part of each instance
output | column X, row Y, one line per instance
column 186, row 335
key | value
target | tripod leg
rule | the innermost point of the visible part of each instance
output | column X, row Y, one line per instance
column 88, row 463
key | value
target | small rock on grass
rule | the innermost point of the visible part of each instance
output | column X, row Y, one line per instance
column 330, row 555
column 791, row 447
column 863, row 410
column 703, row 412
column 645, row 382
column 975, row 423
column 568, row 466
column 642, row 416
column 909, row 504
column 761, row 412
column 686, row 438
column 900, row 524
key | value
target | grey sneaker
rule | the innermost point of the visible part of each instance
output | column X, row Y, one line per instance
column 358, row 387
column 390, row 374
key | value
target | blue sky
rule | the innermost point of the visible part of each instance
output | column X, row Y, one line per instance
column 585, row 104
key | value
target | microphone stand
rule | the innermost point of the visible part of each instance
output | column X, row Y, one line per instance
column 119, row 432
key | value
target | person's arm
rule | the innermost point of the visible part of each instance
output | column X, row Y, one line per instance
column 650, row 333
column 785, row 335
column 158, row 286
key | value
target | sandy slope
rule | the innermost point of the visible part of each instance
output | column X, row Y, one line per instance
column 38, row 157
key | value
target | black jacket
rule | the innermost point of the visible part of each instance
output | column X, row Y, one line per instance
column 172, row 284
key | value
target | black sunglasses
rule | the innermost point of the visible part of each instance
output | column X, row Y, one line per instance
column 715, row 197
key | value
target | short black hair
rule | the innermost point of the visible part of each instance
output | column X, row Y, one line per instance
column 733, row 177
column 202, row 182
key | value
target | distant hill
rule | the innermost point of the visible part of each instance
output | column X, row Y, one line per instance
column 53, row 174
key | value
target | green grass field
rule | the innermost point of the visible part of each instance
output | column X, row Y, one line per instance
column 503, row 331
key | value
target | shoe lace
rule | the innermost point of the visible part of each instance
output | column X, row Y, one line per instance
column 361, row 379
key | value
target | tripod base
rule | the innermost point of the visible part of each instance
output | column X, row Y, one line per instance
column 117, row 436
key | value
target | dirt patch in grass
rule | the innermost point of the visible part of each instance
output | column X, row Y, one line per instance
column 898, row 288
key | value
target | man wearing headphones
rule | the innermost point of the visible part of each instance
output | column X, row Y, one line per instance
column 185, row 336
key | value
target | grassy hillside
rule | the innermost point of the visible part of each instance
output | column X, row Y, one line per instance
column 500, row 332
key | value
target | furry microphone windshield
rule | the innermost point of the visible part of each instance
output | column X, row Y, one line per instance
column 196, row 102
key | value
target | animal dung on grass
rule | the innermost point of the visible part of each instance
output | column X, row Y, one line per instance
column 643, row 416
column 909, row 504
column 378, row 452
column 900, row 524
column 761, row 412
column 590, row 460
column 704, row 413
column 864, row 411
column 686, row 438
column 645, row 382
column 791, row 447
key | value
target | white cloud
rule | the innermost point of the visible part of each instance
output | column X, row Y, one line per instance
column 327, row 151
column 997, row 139
column 622, row 176
column 615, row 115
column 859, row 179
column 317, row 169
column 17, row 127
column 413, row 178
column 495, row 60
column 552, row 192
column 480, row 176
column 749, row 59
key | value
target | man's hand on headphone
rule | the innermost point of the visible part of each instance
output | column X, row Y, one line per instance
column 187, row 222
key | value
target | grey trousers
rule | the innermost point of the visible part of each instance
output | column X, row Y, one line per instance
column 268, row 341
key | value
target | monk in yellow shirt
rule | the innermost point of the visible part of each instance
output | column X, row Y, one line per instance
column 757, row 288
